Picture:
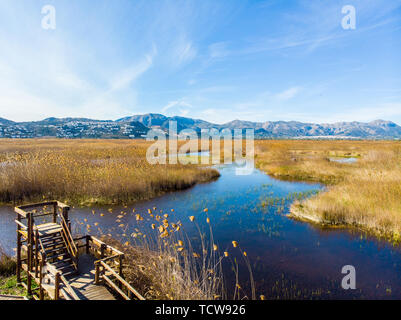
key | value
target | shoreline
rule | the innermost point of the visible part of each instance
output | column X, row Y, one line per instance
column 299, row 214
column 92, row 201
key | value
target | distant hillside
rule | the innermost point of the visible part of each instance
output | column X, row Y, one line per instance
column 137, row 126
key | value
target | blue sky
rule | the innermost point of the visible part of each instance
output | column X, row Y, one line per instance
column 213, row 60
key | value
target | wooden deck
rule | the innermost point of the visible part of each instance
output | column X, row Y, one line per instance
column 83, row 284
column 64, row 267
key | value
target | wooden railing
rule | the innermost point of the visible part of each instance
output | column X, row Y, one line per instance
column 61, row 286
column 109, row 267
column 28, row 238
column 68, row 239
column 31, row 256
column 110, row 276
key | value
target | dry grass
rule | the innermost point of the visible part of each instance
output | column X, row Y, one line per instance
column 166, row 275
column 164, row 262
column 365, row 194
column 87, row 172
column 7, row 264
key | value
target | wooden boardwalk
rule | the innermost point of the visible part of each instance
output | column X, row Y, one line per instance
column 64, row 267
column 84, row 283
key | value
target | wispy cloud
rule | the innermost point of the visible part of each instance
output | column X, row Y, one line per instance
column 129, row 75
column 178, row 107
column 184, row 52
column 288, row 94
column 214, row 59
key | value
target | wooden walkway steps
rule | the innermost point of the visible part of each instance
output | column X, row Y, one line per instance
column 64, row 267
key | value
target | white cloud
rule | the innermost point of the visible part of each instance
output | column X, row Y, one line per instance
column 177, row 107
column 125, row 78
column 288, row 94
column 218, row 50
column 184, row 52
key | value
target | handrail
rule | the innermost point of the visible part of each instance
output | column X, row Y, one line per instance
column 70, row 290
column 39, row 204
column 71, row 246
column 120, row 279
column 108, row 258
column 21, row 224
column 100, row 243
column 58, row 275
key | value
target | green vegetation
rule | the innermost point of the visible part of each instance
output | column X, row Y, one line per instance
column 8, row 279
column 8, row 286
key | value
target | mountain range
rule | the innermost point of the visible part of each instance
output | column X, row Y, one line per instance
column 137, row 126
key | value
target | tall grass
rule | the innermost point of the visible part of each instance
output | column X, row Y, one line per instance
column 164, row 262
column 86, row 172
column 366, row 193
column 7, row 264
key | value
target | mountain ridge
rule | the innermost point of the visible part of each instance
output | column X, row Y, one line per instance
column 136, row 126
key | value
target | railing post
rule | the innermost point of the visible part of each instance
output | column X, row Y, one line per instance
column 41, row 293
column 29, row 244
column 57, row 286
column 36, row 252
column 97, row 267
column 87, row 244
column 18, row 250
column 120, row 269
column 55, row 207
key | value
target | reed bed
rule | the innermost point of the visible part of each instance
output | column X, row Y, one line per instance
column 365, row 194
column 164, row 263
column 88, row 172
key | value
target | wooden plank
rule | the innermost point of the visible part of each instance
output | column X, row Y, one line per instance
column 48, row 229
column 70, row 290
column 84, row 284
column 9, row 297
column 20, row 212
column 38, row 204
column 62, row 205
column 21, row 224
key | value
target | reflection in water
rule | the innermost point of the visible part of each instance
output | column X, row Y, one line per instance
column 344, row 160
column 290, row 259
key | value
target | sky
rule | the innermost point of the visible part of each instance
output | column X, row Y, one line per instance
column 213, row 60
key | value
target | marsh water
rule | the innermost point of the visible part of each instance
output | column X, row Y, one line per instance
column 290, row 259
